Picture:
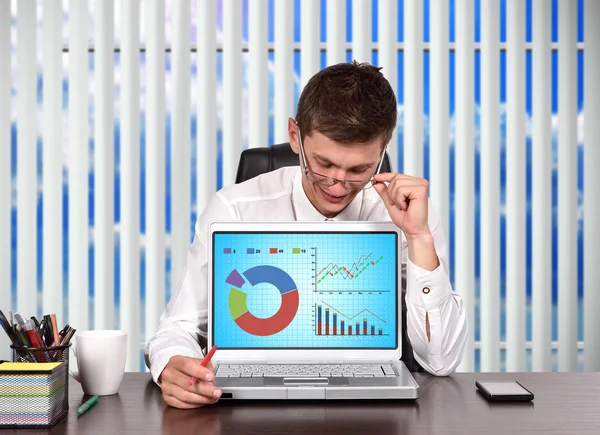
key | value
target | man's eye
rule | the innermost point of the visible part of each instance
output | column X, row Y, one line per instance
column 325, row 166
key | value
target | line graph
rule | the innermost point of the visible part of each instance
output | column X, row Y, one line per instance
column 356, row 315
column 354, row 271
column 339, row 275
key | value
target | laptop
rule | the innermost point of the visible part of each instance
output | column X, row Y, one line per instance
column 307, row 310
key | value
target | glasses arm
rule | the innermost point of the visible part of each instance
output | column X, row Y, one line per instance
column 380, row 162
column 301, row 146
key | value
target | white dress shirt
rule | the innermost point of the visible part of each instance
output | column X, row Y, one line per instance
column 279, row 195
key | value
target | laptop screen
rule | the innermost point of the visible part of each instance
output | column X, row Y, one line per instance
column 305, row 290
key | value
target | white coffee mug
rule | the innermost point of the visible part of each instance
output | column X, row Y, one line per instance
column 101, row 357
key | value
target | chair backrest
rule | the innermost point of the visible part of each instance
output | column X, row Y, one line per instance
column 256, row 161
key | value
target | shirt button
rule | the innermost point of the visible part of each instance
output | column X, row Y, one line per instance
column 426, row 290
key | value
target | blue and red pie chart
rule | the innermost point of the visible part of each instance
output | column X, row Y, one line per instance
column 258, row 275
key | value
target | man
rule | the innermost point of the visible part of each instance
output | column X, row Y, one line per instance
column 345, row 118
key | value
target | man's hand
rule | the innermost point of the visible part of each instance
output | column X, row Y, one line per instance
column 175, row 381
column 406, row 199
column 407, row 202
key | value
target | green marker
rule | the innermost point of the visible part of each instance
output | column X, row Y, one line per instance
column 87, row 405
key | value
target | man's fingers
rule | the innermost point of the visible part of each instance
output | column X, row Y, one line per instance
column 192, row 368
column 176, row 388
column 177, row 403
column 398, row 201
column 384, row 176
column 382, row 190
column 399, row 194
column 389, row 176
column 182, row 380
column 206, row 389
column 191, row 396
column 402, row 193
column 174, row 376
column 387, row 197
column 171, row 375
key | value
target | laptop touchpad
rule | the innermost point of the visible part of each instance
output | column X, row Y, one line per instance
column 304, row 381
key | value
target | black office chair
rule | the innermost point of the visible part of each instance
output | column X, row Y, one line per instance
column 256, row 161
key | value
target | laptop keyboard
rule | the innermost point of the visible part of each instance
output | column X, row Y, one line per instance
column 305, row 370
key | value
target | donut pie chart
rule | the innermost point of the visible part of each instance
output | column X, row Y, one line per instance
column 258, row 275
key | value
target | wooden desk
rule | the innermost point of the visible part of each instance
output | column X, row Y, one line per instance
column 565, row 403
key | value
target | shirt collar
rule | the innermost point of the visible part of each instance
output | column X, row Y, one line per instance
column 305, row 211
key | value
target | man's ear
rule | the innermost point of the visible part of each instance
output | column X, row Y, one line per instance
column 293, row 135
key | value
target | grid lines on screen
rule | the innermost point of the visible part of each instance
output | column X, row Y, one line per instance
column 305, row 290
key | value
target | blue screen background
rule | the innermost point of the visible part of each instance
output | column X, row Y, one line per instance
column 365, row 289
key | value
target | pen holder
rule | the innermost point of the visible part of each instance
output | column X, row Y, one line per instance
column 31, row 397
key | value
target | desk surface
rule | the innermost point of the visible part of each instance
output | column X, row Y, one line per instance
column 565, row 403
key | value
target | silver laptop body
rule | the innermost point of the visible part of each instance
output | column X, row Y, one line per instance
column 307, row 310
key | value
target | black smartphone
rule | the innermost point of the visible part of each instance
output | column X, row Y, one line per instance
column 504, row 391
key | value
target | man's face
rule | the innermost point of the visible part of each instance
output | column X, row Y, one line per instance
column 340, row 161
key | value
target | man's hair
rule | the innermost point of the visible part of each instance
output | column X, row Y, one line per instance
column 348, row 103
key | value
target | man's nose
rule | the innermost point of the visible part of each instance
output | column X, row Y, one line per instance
column 337, row 189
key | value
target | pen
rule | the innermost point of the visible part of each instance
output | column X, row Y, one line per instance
column 65, row 340
column 204, row 363
column 54, row 327
column 87, row 405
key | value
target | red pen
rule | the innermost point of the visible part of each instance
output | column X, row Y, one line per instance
column 204, row 363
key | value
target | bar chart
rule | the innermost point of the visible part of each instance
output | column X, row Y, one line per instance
column 332, row 322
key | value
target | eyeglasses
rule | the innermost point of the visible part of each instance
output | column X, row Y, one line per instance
column 327, row 181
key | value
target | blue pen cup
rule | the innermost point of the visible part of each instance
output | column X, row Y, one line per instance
column 35, row 400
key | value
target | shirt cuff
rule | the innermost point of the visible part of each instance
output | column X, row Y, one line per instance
column 161, row 359
column 427, row 289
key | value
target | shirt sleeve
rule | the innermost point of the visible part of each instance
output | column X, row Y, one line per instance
column 429, row 293
column 183, row 324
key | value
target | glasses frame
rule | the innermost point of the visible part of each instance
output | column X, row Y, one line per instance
column 331, row 181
